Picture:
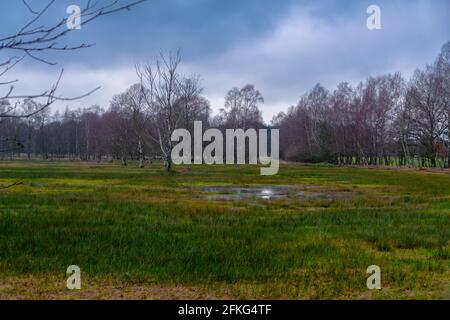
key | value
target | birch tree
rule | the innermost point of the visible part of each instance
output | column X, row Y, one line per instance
column 171, row 101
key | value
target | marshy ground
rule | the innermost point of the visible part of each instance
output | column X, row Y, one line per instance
column 309, row 232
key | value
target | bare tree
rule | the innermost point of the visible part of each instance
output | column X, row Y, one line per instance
column 171, row 101
column 341, row 120
column 131, row 105
column 442, row 67
column 403, row 131
column 195, row 107
column 242, row 107
column 425, row 92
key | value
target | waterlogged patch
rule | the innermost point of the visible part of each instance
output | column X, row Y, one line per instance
column 236, row 193
column 271, row 192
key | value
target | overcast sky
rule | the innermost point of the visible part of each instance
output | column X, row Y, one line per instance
column 283, row 47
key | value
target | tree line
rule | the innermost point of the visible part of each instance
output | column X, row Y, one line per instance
column 383, row 120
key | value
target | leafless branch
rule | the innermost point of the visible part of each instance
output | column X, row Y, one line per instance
column 34, row 38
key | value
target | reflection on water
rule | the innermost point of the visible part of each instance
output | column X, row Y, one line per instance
column 269, row 192
column 266, row 193
column 236, row 193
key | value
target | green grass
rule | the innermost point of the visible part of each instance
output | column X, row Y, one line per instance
column 145, row 228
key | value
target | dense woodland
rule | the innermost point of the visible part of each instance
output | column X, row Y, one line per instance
column 384, row 120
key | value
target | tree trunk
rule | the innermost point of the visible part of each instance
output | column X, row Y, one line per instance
column 141, row 154
column 448, row 147
column 168, row 163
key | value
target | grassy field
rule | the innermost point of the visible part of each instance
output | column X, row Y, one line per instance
column 145, row 233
